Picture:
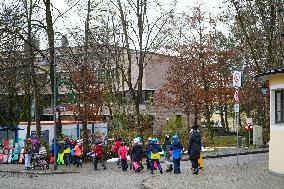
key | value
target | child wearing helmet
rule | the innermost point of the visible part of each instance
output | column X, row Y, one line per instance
column 176, row 149
column 136, row 155
column 154, row 155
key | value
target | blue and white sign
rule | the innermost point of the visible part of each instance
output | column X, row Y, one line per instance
column 237, row 108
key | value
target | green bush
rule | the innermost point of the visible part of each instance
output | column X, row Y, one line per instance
column 178, row 127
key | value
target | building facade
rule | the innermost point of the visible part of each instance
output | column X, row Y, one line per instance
column 276, row 144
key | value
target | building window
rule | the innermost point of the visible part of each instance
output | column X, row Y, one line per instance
column 178, row 120
column 279, row 106
column 148, row 96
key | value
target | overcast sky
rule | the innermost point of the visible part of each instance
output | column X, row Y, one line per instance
column 73, row 20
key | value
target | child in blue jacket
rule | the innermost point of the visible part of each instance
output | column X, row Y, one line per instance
column 176, row 149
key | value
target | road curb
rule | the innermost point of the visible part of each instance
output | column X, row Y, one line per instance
column 231, row 154
column 235, row 154
column 37, row 172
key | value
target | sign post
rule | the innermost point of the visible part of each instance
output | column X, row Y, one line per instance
column 237, row 83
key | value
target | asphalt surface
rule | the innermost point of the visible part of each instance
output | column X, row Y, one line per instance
column 252, row 172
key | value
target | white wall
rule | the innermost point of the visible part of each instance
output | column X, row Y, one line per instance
column 67, row 129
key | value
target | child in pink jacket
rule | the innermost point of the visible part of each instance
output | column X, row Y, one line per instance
column 122, row 152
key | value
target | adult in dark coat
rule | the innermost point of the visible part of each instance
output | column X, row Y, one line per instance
column 194, row 148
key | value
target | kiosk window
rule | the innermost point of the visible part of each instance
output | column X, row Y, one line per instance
column 279, row 106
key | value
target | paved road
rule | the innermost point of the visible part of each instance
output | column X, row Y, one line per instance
column 219, row 173
column 223, row 173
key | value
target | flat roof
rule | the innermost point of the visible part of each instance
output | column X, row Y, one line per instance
column 270, row 72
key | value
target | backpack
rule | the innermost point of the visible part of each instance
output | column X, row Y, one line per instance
column 155, row 155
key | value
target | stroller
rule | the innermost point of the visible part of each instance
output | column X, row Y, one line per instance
column 40, row 159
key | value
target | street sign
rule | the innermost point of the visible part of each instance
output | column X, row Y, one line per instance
column 249, row 124
column 249, row 127
column 236, row 96
column 237, row 79
column 237, row 108
column 249, row 121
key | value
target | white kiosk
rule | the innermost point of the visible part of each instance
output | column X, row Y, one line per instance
column 276, row 144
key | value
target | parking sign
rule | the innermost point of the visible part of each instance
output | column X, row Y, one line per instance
column 237, row 79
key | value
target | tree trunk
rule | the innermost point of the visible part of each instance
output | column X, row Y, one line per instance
column 222, row 120
column 195, row 115
column 36, row 90
column 50, row 36
column 208, row 117
column 226, row 118
column 265, row 119
column 51, row 53
column 85, row 71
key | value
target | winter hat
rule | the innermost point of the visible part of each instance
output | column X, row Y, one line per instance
column 136, row 140
column 98, row 141
column 154, row 140
column 167, row 136
column 194, row 127
column 175, row 138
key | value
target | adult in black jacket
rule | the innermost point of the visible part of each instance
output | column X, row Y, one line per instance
column 194, row 148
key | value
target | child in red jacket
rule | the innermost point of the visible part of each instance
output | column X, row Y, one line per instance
column 116, row 147
column 122, row 152
column 98, row 151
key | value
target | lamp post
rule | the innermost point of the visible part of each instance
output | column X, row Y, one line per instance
column 55, row 113
column 56, row 116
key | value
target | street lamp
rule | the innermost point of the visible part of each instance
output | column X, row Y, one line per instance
column 55, row 111
column 56, row 117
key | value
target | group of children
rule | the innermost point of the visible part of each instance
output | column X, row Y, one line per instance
column 71, row 151
column 172, row 149
column 68, row 151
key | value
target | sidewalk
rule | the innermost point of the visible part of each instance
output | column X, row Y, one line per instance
column 220, row 173
column 20, row 168
column 223, row 172
column 232, row 151
column 62, row 169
